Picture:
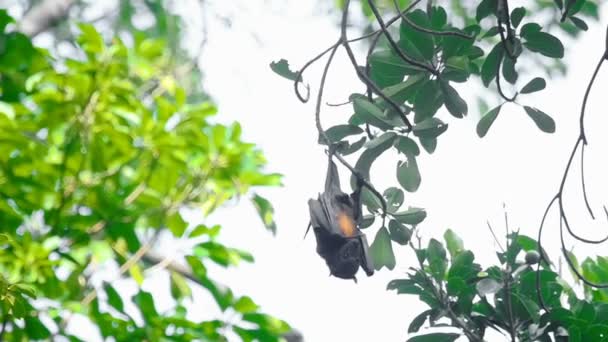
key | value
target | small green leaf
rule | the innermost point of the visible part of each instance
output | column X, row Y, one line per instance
column 176, row 224
column 486, row 121
column 537, row 84
column 419, row 321
column 373, row 115
column 545, row 44
column 245, row 305
column 381, row 250
column 383, row 139
column 579, row 23
column 453, row 102
column 408, row 175
column 113, row 297
column 412, row 216
column 367, row 158
column 517, row 15
column 541, row 119
column 399, row 233
column 266, row 212
column 282, row 69
column 435, row 337
column 453, row 243
column 394, row 199
column 339, row 132
column 529, row 28
column 430, row 128
column 367, row 221
column 407, row 146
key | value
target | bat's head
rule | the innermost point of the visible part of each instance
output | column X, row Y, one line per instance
column 346, row 261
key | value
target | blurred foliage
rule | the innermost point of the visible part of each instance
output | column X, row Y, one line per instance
column 98, row 155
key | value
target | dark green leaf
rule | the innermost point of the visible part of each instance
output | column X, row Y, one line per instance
column 508, row 70
column 385, row 138
column 579, row 23
column 35, row 329
column 366, row 159
column 429, row 144
column 541, row 119
column 486, row 121
column 453, row 102
column 517, row 15
column 435, row 337
column 485, row 8
column 367, row 221
column 418, row 321
column 529, row 28
column 381, row 250
column 545, row 44
column 428, row 101
column 490, row 65
column 535, row 85
column 282, row 69
column 113, row 297
column 399, row 233
column 419, row 44
column 437, row 259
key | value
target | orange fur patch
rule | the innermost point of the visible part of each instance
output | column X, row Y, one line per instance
column 346, row 224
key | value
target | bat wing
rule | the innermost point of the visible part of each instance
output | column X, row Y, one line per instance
column 366, row 259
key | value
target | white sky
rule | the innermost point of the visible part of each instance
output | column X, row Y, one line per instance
column 464, row 183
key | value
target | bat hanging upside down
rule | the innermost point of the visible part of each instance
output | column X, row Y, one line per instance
column 335, row 217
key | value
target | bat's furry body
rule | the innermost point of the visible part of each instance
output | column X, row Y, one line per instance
column 335, row 217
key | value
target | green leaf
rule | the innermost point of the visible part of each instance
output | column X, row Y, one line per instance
column 488, row 286
column 418, row 321
column 437, row 259
column 486, row 121
column 419, row 44
column 373, row 115
column 517, row 15
column 429, row 144
column 545, row 44
column 453, row 102
column 394, row 199
column 508, row 70
column 245, row 305
column 386, row 137
column 485, row 8
column 367, row 158
column 113, row 297
column 490, row 65
column 265, row 211
column 529, row 28
column 435, row 337
column 282, row 69
column 541, row 119
column 579, row 23
column 537, row 84
column 381, row 250
column 412, row 216
column 399, row 233
column 367, row 221
column 176, row 224
column 428, row 101
column 430, row 128
column 453, row 243
column 339, row 132
column 407, row 146
column 36, row 329
column 145, row 302
column 408, row 174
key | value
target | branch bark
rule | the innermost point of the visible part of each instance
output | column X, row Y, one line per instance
column 44, row 16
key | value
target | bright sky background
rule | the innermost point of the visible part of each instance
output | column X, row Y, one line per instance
column 464, row 183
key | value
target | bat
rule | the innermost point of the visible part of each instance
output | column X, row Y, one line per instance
column 335, row 217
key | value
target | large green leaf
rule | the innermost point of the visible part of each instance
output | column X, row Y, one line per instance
column 545, row 44
column 486, row 121
column 381, row 250
column 541, row 119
